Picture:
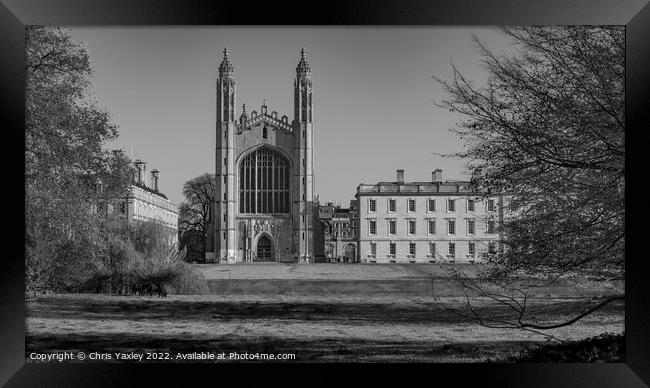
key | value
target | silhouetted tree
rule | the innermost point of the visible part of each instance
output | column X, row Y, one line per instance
column 194, row 214
column 548, row 129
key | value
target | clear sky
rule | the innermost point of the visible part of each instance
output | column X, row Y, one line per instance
column 374, row 95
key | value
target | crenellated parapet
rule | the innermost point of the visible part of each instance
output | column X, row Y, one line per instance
column 255, row 119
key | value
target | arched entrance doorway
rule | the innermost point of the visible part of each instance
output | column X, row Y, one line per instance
column 264, row 249
column 350, row 253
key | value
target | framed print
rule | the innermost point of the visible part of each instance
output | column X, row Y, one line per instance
column 212, row 188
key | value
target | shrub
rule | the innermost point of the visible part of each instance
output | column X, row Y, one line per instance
column 139, row 261
column 606, row 347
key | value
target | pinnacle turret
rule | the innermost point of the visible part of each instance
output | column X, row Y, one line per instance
column 226, row 68
column 303, row 67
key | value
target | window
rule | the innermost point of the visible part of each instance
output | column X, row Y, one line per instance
column 451, row 205
column 491, row 205
column 373, row 249
column 265, row 133
column 451, row 227
column 336, row 224
column 452, row 249
column 470, row 205
column 354, row 224
column 372, row 227
column 392, row 249
column 225, row 196
column 224, row 235
column 492, row 248
column 431, row 205
column 472, row 248
column 392, row 227
column 392, row 205
column 411, row 226
column 432, row 249
column 123, row 207
column 345, row 234
column 372, row 205
column 411, row 205
column 225, row 161
column 471, row 226
column 412, row 249
column 264, row 183
column 336, row 234
column 490, row 227
column 431, row 226
column 225, row 179
column 225, row 217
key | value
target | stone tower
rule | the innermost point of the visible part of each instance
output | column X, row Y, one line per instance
column 224, row 214
column 303, row 151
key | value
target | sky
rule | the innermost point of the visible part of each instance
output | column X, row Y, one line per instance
column 374, row 95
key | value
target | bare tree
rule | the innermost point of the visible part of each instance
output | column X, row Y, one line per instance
column 548, row 128
column 194, row 214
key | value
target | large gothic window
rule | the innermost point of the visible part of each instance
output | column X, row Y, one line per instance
column 264, row 182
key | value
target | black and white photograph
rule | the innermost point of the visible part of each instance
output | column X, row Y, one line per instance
column 442, row 194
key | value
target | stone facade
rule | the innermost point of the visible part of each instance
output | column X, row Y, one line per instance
column 340, row 232
column 421, row 222
column 264, row 206
column 144, row 202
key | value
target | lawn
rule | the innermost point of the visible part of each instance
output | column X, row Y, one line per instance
column 314, row 327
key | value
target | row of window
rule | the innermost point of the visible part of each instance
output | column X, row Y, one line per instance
column 431, row 227
column 470, row 205
column 344, row 233
column 344, row 225
column 451, row 249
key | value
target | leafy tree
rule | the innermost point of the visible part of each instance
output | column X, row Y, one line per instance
column 194, row 213
column 67, row 170
column 548, row 129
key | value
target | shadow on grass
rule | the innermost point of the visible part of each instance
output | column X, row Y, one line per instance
column 169, row 310
column 320, row 350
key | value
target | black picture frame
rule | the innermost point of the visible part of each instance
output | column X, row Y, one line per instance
column 16, row 14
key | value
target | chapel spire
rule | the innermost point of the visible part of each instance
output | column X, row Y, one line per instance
column 303, row 68
column 226, row 68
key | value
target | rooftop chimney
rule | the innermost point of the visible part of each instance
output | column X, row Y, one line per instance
column 436, row 175
column 139, row 174
column 154, row 179
column 400, row 176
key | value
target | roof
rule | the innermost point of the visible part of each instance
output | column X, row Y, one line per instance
column 150, row 190
column 398, row 188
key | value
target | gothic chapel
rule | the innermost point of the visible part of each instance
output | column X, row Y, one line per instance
column 263, row 208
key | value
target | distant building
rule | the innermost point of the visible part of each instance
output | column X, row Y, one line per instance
column 144, row 202
column 421, row 222
column 340, row 232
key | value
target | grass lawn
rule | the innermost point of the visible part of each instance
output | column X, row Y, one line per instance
column 314, row 327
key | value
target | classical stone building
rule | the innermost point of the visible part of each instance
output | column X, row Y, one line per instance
column 143, row 202
column 264, row 206
column 420, row 222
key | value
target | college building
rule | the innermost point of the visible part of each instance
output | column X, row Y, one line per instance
column 340, row 231
column 264, row 195
column 425, row 222
column 143, row 202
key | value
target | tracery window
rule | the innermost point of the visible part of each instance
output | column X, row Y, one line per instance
column 264, row 178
